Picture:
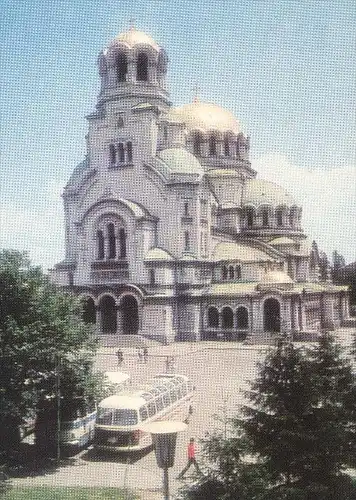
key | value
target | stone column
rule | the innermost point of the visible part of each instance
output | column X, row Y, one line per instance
column 302, row 315
column 327, row 317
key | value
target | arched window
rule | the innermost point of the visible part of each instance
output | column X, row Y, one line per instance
column 122, row 240
column 129, row 151
column 231, row 272
column 121, row 152
column 186, row 241
column 212, row 145
column 213, row 317
column 165, row 133
column 111, row 241
column 279, row 217
column 227, row 317
column 121, row 67
column 108, row 315
column 265, row 218
column 152, row 273
column 112, row 153
column 250, row 216
column 226, row 145
column 100, row 245
column 142, row 67
column 242, row 318
column 238, row 272
column 224, row 273
column 197, row 143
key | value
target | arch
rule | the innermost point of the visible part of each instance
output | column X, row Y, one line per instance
column 265, row 217
column 242, row 318
column 100, row 245
column 279, row 217
column 142, row 67
column 112, row 153
column 108, row 315
column 129, row 315
column 89, row 312
column 197, row 143
column 121, row 152
column 212, row 145
column 227, row 317
column 271, row 315
column 121, row 67
column 213, row 317
column 250, row 214
column 122, row 243
column 111, row 241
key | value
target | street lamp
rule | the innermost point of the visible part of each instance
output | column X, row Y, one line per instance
column 164, row 438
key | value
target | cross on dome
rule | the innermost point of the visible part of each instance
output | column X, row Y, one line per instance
column 196, row 90
column 132, row 22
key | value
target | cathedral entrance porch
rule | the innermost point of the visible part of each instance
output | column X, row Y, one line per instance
column 271, row 315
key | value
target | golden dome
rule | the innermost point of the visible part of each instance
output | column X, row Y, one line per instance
column 134, row 37
column 206, row 117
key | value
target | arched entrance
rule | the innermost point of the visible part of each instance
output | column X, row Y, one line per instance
column 242, row 318
column 89, row 313
column 271, row 315
column 129, row 315
column 108, row 315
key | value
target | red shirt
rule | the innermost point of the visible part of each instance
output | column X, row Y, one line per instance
column 191, row 450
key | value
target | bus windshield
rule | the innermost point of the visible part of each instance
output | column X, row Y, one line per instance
column 111, row 416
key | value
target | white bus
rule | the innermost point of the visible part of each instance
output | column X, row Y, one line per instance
column 77, row 420
column 119, row 419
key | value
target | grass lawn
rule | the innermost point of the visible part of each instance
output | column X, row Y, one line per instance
column 57, row 493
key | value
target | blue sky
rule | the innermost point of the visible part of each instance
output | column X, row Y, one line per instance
column 285, row 68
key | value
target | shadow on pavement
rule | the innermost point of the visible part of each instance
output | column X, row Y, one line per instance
column 93, row 455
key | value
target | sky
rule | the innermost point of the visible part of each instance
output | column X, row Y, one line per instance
column 286, row 69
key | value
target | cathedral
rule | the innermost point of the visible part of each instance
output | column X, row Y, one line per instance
column 169, row 233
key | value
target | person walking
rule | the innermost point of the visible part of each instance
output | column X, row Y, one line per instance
column 139, row 355
column 191, row 459
column 120, row 357
column 145, row 354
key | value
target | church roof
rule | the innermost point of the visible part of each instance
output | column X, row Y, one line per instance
column 178, row 161
column 276, row 277
column 205, row 117
column 134, row 37
column 282, row 240
column 157, row 253
column 260, row 192
column 244, row 253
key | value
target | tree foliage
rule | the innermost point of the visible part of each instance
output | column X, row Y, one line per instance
column 42, row 337
column 294, row 437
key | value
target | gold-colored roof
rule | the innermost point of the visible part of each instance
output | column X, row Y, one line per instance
column 134, row 37
column 227, row 250
column 206, row 117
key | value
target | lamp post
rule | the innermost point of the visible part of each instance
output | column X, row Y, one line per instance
column 164, row 438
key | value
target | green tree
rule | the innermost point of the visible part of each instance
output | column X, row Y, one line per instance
column 40, row 330
column 292, row 440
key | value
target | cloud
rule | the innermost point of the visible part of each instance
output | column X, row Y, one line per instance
column 328, row 198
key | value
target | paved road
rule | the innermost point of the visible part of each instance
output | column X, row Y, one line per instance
column 219, row 371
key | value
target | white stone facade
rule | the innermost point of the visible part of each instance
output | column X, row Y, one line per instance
column 168, row 232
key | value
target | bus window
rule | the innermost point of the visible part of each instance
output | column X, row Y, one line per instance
column 174, row 395
column 184, row 390
column 166, row 399
column 143, row 413
column 151, row 408
column 104, row 416
column 125, row 417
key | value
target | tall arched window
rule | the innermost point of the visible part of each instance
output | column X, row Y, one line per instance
column 197, row 144
column 265, row 218
column 213, row 317
column 186, row 240
column 250, row 217
column 112, row 153
column 242, row 317
column 121, row 67
column 224, row 272
column 121, row 152
column 129, row 151
column 122, row 239
column 108, row 315
column 111, row 241
column 238, row 272
column 279, row 217
column 100, row 245
column 212, row 145
column 142, row 67
column 226, row 145
column 227, row 317
column 231, row 272
column 89, row 312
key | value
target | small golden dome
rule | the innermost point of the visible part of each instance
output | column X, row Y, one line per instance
column 206, row 117
column 134, row 37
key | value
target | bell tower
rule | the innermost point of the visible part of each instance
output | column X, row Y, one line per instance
column 133, row 70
